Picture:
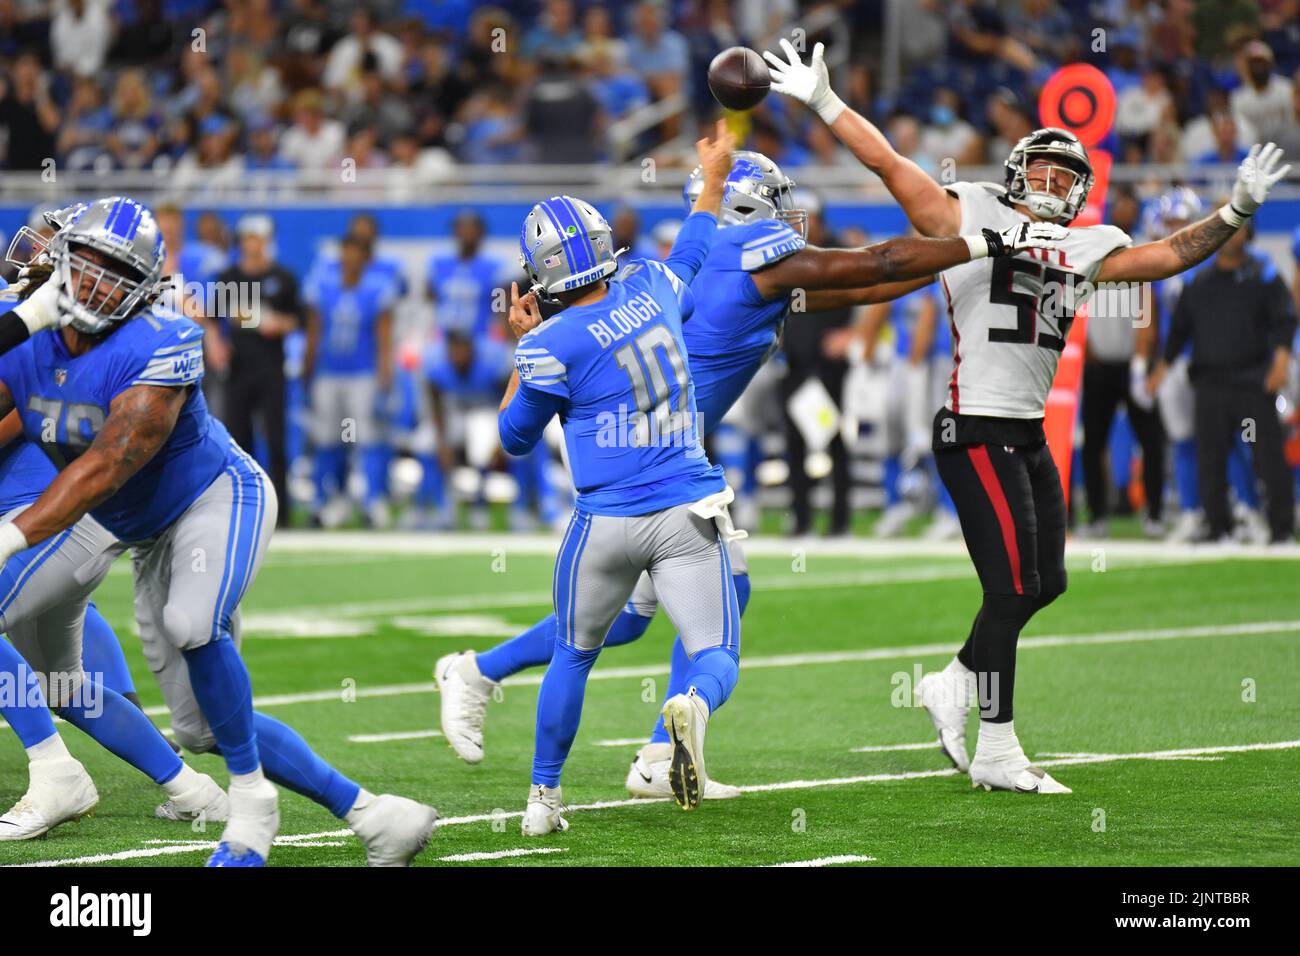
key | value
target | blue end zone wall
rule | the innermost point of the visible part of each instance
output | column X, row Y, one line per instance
column 302, row 229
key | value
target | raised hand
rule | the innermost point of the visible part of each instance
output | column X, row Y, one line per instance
column 1257, row 174
column 715, row 153
column 809, row 84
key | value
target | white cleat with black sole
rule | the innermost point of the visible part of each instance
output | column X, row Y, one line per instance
column 393, row 829
column 465, row 695
column 946, row 698
column 60, row 791
column 542, row 814
column 1013, row 772
column 204, row 800
column 647, row 778
column 686, row 717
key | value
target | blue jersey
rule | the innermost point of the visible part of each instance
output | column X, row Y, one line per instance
column 463, row 289
column 734, row 330
column 24, row 473
column 349, row 316
column 482, row 382
column 617, row 372
column 64, row 401
column 904, row 315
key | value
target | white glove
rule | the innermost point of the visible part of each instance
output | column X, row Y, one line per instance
column 1015, row 239
column 40, row 310
column 1137, row 384
column 1257, row 174
column 809, row 84
column 11, row 542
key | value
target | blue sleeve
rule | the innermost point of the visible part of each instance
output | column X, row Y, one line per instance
column 692, row 245
column 522, row 422
column 1295, row 244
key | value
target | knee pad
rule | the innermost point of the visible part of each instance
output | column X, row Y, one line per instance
column 196, row 739
column 1052, row 588
column 1011, row 610
column 62, row 688
column 183, row 630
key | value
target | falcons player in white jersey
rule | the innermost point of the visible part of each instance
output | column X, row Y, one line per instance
column 1010, row 320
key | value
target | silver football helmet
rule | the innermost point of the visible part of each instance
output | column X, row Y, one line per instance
column 566, row 244
column 755, row 189
column 97, row 294
column 1068, row 159
column 28, row 245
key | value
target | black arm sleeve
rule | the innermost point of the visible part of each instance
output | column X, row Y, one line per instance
column 13, row 332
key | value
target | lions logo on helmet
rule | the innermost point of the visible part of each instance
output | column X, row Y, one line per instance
column 95, row 293
column 1067, row 158
column 755, row 189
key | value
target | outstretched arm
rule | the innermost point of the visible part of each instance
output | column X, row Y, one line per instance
column 824, row 300
column 139, row 422
column 931, row 209
column 1257, row 174
column 897, row 259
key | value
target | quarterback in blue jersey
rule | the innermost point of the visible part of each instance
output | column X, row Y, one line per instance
column 611, row 363
column 743, row 294
column 109, row 391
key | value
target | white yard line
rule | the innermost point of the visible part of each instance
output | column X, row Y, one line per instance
column 269, row 619
column 883, row 748
column 311, row 838
column 828, row 861
column 619, row 742
column 397, row 735
column 800, row 660
column 360, row 542
column 500, row 854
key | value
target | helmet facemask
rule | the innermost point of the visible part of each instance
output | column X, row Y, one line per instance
column 94, row 294
column 1060, row 164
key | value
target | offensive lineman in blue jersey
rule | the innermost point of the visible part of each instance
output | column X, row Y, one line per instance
column 743, row 295
column 108, row 387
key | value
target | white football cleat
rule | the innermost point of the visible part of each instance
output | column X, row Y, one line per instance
column 1012, row 772
column 394, row 830
column 253, row 823
column 60, row 790
column 893, row 520
column 206, row 801
column 946, row 698
column 647, row 778
column 542, row 814
column 686, row 718
column 465, row 694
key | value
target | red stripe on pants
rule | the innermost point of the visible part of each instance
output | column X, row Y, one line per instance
column 979, row 456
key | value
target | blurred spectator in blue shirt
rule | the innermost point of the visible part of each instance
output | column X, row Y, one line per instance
column 556, row 34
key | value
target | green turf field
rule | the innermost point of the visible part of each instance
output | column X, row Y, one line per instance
column 1162, row 682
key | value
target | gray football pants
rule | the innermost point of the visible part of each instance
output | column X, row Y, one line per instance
column 682, row 554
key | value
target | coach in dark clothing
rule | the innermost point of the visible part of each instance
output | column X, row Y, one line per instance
column 808, row 355
column 1237, row 313
column 272, row 309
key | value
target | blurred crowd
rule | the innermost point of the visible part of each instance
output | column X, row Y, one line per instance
column 210, row 92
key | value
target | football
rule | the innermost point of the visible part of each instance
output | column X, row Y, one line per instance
column 738, row 78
